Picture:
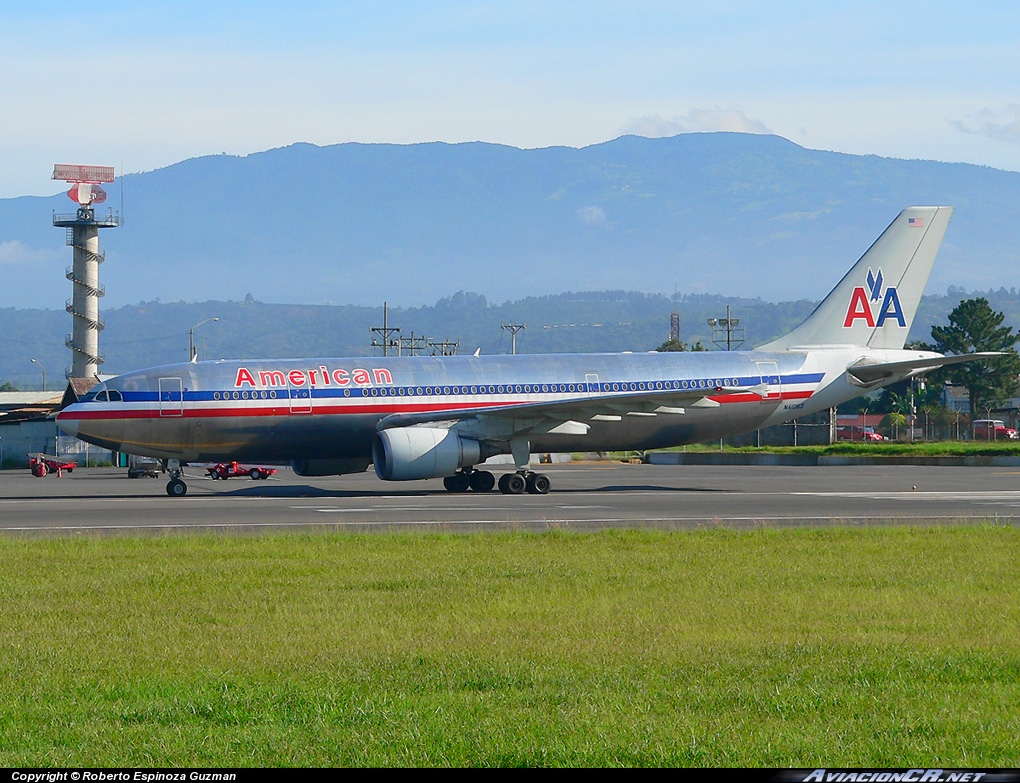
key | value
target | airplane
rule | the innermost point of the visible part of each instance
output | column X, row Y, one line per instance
column 422, row 417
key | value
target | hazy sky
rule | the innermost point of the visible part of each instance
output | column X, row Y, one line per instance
column 144, row 85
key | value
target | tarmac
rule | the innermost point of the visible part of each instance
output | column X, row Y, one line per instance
column 584, row 496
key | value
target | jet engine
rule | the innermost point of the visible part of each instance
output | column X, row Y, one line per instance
column 407, row 453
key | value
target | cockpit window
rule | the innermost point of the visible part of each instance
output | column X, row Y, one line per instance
column 103, row 394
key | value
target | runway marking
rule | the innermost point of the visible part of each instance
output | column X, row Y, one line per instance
column 683, row 522
column 471, row 500
column 915, row 495
column 376, row 508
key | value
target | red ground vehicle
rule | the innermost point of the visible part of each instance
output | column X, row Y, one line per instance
column 41, row 464
column 993, row 429
column 225, row 470
column 856, row 432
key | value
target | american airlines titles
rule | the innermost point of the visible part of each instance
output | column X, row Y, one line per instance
column 321, row 376
column 860, row 304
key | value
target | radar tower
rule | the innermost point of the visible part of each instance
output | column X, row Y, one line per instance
column 82, row 232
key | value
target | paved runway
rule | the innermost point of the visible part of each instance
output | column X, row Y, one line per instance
column 584, row 496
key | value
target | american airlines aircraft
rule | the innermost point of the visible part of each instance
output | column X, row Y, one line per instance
column 428, row 417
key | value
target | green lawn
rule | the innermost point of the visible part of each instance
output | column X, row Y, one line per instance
column 889, row 448
column 839, row 647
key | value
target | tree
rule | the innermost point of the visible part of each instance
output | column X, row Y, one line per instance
column 672, row 345
column 891, row 423
column 975, row 326
column 8, row 387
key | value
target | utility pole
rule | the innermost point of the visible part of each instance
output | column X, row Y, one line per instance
column 728, row 326
column 414, row 345
column 385, row 331
column 513, row 329
column 444, row 347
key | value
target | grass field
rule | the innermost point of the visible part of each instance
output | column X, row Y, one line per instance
column 882, row 646
column 888, row 448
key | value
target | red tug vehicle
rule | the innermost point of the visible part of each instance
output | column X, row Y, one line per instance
column 225, row 470
column 41, row 464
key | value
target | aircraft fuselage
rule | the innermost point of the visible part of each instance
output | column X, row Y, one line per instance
column 330, row 409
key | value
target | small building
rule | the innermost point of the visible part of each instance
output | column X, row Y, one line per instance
column 956, row 398
column 28, row 426
column 859, row 420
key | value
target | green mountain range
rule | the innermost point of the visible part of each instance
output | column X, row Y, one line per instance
column 733, row 214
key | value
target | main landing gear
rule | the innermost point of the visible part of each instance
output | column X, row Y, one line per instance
column 509, row 483
column 516, row 483
column 469, row 478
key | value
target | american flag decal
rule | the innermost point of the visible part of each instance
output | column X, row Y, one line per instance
column 915, row 222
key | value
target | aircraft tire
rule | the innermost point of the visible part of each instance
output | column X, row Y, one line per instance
column 458, row 482
column 482, row 481
column 538, row 484
column 176, row 488
column 512, row 484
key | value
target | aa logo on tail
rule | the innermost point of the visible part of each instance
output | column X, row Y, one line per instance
column 862, row 299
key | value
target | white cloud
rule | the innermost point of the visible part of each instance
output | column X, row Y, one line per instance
column 998, row 126
column 15, row 251
column 696, row 121
column 592, row 216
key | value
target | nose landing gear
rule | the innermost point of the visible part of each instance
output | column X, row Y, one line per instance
column 175, row 488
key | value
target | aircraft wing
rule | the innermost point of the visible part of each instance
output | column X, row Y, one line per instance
column 569, row 417
column 865, row 373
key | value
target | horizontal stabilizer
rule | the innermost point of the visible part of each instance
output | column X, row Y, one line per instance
column 866, row 374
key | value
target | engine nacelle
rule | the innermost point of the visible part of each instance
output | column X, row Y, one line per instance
column 408, row 453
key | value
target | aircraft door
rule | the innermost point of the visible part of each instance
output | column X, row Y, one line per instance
column 300, row 399
column 171, row 397
column 771, row 381
column 591, row 383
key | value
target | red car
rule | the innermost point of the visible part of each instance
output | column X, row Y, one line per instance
column 993, row 429
column 40, row 465
column 856, row 432
column 225, row 470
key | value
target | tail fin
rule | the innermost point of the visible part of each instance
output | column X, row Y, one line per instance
column 875, row 303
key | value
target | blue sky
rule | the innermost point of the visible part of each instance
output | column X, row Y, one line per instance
column 140, row 86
